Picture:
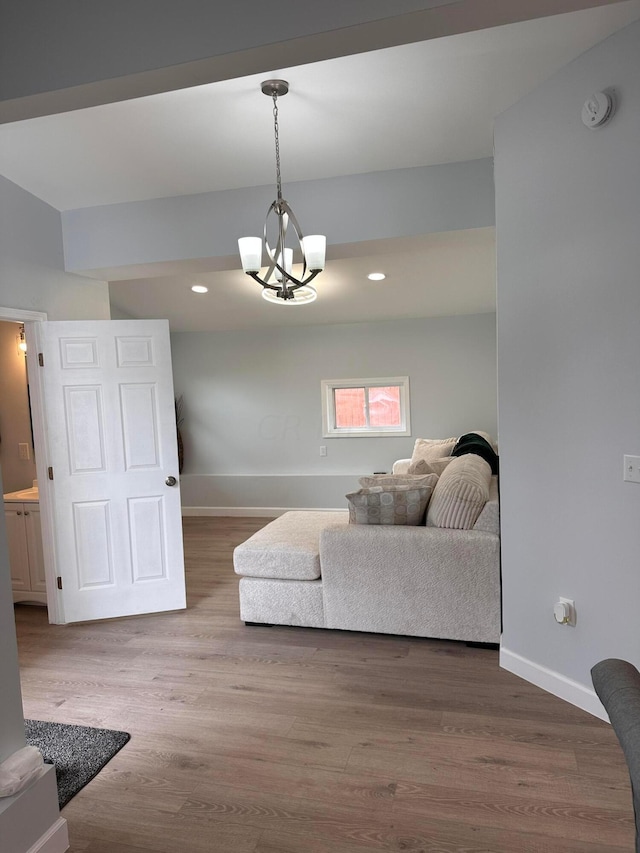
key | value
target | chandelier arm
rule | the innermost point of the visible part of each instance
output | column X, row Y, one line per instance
column 290, row 278
column 304, row 281
column 256, row 277
column 296, row 227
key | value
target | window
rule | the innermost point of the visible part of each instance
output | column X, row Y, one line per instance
column 373, row 407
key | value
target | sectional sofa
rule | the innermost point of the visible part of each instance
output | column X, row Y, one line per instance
column 315, row 569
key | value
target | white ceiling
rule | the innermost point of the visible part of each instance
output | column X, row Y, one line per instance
column 413, row 105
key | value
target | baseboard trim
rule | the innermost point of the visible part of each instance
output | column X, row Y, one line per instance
column 55, row 840
column 553, row 682
column 250, row 511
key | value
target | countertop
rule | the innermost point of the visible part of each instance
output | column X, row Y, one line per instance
column 25, row 495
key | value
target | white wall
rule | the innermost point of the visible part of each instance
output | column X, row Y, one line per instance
column 252, row 403
column 568, row 224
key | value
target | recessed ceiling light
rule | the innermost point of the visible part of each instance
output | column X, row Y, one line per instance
column 376, row 276
column 199, row 288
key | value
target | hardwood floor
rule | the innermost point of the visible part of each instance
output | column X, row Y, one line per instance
column 289, row 740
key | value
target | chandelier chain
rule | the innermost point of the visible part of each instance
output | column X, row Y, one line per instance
column 277, row 137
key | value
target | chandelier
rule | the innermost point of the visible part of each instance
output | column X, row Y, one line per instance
column 278, row 283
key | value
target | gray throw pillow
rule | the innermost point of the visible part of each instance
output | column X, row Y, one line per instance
column 389, row 505
column 428, row 480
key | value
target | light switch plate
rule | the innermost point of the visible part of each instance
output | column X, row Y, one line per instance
column 632, row 469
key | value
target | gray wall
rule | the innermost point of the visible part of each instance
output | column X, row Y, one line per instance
column 61, row 56
column 568, row 224
column 147, row 34
column 422, row 200
column 11, row 716
column 32, row 272
column 31, row 277
column 252, row 404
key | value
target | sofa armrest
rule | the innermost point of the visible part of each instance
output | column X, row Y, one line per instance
column 401, row 466
column 421, row 581
column 489, row 518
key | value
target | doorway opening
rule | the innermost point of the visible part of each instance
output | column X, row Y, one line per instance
column 18, row 467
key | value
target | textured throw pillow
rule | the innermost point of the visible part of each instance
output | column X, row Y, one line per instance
column 427, row 481
column 388, row 505
column 460, row 493
column 434, row 466
column 432, row 448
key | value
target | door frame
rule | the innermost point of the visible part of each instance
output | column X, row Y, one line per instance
column 32, row 320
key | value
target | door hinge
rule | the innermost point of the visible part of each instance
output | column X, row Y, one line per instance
column 41, row 359
column 59, row 580
column 50, row 472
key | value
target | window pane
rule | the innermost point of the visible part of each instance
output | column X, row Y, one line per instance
column 384, row 406
column 350, row 408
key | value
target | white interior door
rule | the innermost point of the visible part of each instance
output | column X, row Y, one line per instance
column 111, row 439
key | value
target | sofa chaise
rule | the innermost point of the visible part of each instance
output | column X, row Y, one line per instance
column 315, row 569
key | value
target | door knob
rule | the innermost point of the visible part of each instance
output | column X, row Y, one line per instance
column 171, row 481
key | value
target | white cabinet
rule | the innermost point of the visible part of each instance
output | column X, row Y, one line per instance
column 25, row 549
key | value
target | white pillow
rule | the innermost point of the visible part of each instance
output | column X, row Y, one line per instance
column 432, row 448
column 433, row 466
column 460, row 493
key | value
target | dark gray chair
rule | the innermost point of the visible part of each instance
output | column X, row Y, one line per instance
column 617, row 684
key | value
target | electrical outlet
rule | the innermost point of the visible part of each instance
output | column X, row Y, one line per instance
column 23, row 450
column 564, row 611
column 323, row 450
column 632, row 469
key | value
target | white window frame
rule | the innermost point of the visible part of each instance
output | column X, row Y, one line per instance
column 329, row 428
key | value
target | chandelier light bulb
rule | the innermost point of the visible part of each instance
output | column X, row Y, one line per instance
column 250, row 253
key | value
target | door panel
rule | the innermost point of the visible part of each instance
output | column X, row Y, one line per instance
column 110, row 412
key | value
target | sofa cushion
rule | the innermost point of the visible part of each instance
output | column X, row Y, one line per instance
column 432, row 448
column 433, row 466
column 416, row 481
column 287, row 548
column 389, row 505
column 460, row 493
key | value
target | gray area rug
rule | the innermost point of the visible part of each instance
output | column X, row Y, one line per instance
column 78, row 752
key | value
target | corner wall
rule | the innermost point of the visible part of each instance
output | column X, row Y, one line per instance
column 568, row 226
column 32, row 272
column 32, row 277
column 252, row 404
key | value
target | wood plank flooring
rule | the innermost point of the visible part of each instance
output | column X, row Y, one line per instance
column 289, row 740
